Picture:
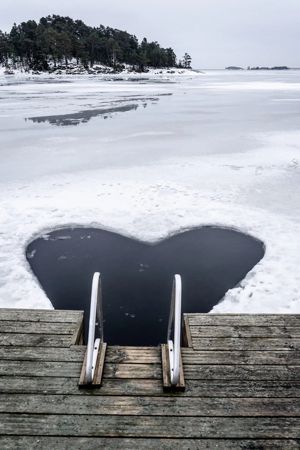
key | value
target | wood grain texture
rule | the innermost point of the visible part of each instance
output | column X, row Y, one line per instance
column 150, row 426
column 9, row 326
column 35, row 340
column 291, row 320
column 242, row 386
column 250, row 343
column 151, row 387
column 94, row 443
column 40, row 315
column 151, row 355
column 98, row 372
column 187, row 337
column 148, row 405
column 251, row 331
column 152, row 371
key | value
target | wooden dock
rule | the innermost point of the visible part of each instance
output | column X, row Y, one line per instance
column 242, row 386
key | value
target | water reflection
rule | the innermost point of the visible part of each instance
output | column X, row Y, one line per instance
column 84, row 116
column 107, row 111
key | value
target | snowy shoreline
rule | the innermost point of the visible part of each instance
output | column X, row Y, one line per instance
column 97, row 71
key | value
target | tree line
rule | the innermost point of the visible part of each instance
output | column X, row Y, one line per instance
column 58, row 40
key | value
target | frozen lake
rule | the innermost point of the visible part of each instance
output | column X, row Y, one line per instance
column 58, row 125
column 149, row 157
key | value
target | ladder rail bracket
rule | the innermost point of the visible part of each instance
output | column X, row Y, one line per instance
column 90, row 371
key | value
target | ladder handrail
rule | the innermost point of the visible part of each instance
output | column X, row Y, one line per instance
column 95, row 320
column 175, row 316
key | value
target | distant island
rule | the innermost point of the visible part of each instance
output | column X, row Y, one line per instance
column 234, row 68
column 269, row 68
column 258, row 68
column 57, row 42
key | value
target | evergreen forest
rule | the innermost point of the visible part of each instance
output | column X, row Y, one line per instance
column 56, row 40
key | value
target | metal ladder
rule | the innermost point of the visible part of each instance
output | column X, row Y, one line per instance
column 91, row 374
column 175, row 319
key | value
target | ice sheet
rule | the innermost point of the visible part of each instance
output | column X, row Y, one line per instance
column 210, row 153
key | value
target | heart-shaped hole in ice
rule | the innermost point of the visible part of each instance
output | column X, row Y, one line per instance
column 137, row 276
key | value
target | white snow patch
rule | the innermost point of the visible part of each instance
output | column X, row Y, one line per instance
column 149, row 203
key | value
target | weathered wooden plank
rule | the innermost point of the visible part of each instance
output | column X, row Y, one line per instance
column 156, row 406
column 98, row 373
column 152, row 371
column 206, row 372
column 79, row 443
column 199, row 331
column 78, row 335
column 67, row 354
column 165, row 366
column 73, row 369
column 35, row 340
column 138, row 355
column 147, row 371
column 7, row 326
column 40, row 315
column 284, row 357
column 151, row 355
column 97, row 381
column 40, row 368
column 247, row 372
column 140, row 387
column 115, row 354
column 82, row 378
column 260, row 344
column 121, row 354
column 150, row 426
column 291, row 320
column 187, row 338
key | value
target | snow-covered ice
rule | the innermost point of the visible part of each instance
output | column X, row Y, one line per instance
column 220, row 148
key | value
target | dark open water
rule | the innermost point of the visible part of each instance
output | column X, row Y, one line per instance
column 137, row 277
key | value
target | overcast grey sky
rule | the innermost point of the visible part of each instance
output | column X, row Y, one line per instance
column 216, row 33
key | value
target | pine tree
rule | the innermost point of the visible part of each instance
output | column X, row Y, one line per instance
column 5, row 49
column 187, row 61
column 57, row 40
